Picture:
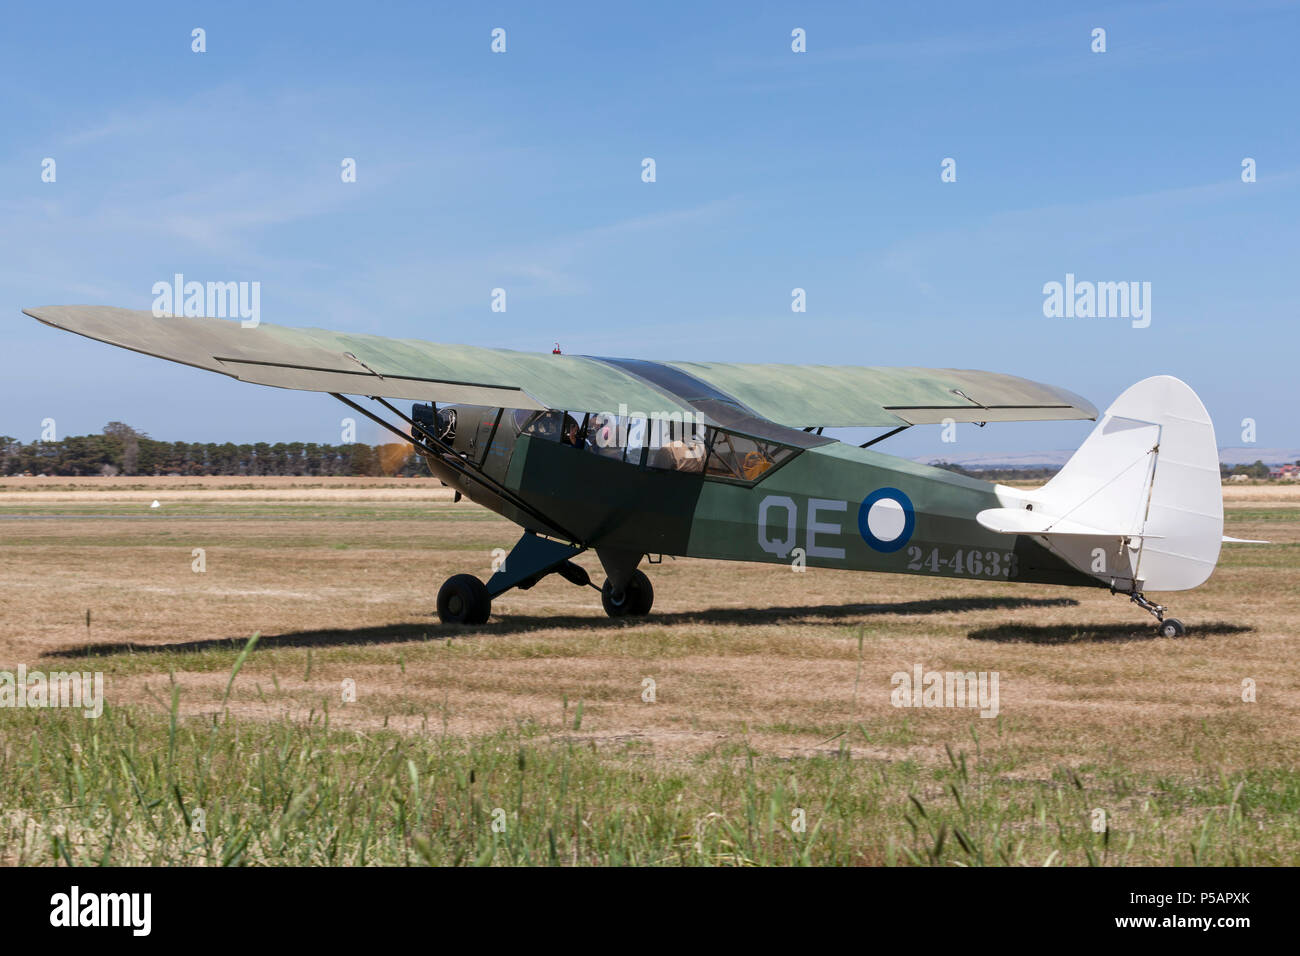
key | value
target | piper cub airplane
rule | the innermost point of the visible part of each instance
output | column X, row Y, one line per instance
column 638, row 459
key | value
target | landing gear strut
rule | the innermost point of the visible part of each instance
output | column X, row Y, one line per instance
column 464, row 599
column 1169, row 626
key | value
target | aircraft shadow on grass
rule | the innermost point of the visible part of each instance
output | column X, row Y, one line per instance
column 1091, row 633
column 504, row 624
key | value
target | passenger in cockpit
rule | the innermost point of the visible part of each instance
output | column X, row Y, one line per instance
column 601, row 435
column 572, row 433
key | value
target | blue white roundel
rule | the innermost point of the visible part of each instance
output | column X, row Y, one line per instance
column 886, row 519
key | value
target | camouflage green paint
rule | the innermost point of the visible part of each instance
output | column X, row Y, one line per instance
column 811, row 503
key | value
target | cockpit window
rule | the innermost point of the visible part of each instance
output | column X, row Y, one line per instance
column 741, row 458
column 554, row 425
column 522, row 416
column 676, row 445
column 664, row 445
column 545, row 425
column 619, row 437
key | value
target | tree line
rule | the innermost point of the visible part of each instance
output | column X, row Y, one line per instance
column 1257, row 470
column 123, row 450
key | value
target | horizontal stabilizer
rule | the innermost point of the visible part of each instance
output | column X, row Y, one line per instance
column 1024, row 521
column 1245, row 540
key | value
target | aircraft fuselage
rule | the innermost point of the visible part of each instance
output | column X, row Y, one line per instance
column 830, row 505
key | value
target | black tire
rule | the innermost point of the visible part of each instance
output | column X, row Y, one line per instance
column 464, row 599
column 638, row 597
column 1172, row 627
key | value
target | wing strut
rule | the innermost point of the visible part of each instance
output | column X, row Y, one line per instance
column 889, row 434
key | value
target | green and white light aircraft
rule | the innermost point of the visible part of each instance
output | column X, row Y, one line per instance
column 638, row 459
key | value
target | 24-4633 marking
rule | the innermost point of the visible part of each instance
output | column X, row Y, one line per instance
column 972, row 563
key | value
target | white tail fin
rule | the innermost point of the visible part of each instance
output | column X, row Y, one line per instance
column 1140, row 504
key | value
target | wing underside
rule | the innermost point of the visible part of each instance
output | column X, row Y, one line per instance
column 797, row 396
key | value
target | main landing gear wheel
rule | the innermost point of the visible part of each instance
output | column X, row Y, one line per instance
column 1172, row 627
column 464, row 599
column 635, row 601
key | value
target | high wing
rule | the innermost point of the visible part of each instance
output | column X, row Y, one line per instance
column 798, row 396
column 849, row 396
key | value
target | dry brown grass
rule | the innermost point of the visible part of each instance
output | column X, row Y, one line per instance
column 737, row 651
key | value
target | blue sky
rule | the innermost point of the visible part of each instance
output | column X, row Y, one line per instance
column 775, row 170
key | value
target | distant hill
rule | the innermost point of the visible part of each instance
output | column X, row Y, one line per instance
column 1000, row 460
column 1249, row 455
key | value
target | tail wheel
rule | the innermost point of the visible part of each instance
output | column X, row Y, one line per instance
column 464, row 599
column 635, row 601
column 1172, row 627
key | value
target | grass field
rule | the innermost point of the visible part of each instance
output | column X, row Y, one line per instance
column 771, row 739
